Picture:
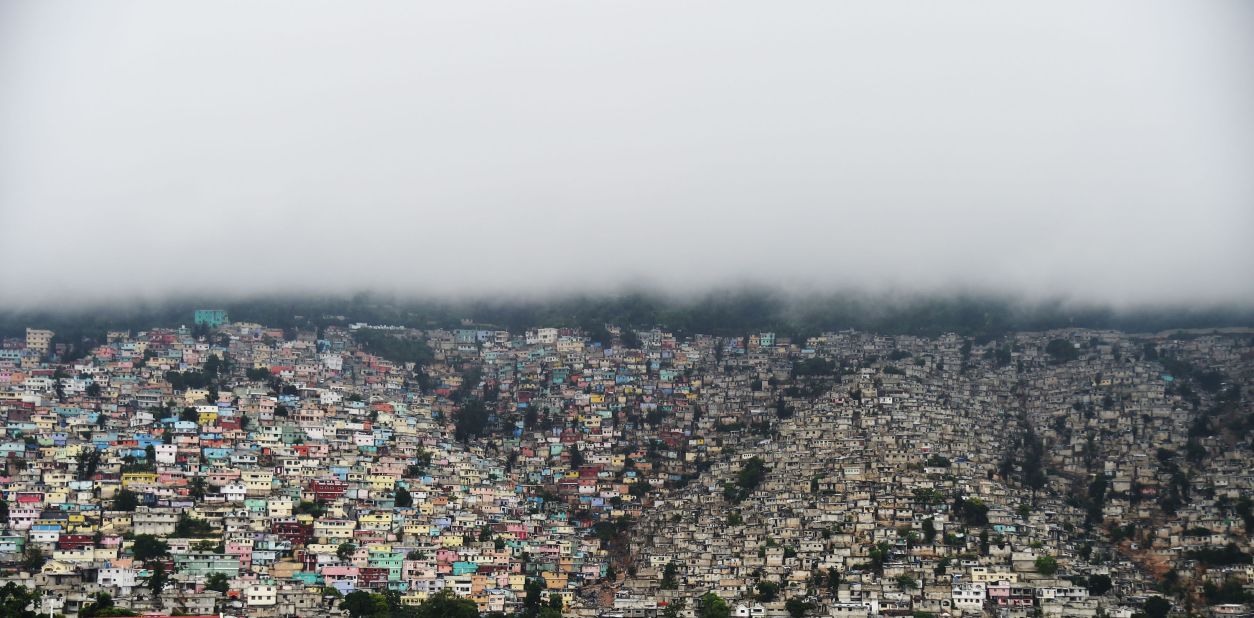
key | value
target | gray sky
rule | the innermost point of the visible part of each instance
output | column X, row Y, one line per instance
column 1098, row 150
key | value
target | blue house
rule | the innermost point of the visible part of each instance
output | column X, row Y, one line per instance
column 212, row 318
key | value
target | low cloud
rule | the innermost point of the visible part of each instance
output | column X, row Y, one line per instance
column 1097, row 152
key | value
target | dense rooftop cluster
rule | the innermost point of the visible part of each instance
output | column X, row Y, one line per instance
column 375, row 470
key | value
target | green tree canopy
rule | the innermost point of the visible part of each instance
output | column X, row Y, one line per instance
column 362, row 604
column 713, row 606
column 1157, row 607
column 147, row 547
column 15, row 599
column 797, row 607
column 403, row 498
column 345, row 550
column 445, row 604
column 125, row 500
column 1046, row 565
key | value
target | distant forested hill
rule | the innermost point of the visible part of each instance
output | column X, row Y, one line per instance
column 717, row 313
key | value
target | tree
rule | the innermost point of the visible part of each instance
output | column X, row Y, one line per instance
column 576, row 457
column 403, row 498
column 767, row 591
column 878, row 554
column 668, row 576
column 472, row 420
column 125, row 500
column 362, row 604
column 189, row 526
column 213, row 365
column 630, row 339
column 15, row 601
column 782, row 409
column 314, row 509
column 147, row 547
column 196, row 487
column 1220, row 556
column 531, row 602
column 445, row 604
column 218, row 582
column 713, row 606
column 1230, row 591
column 103, row 606
column 1099, row 585
column 93, row 390
column 674, row 608
column 554, row 608
column 421, row 461
column 33, row 560
column 1157, row 607
column 158, row 580
column 750, row 476
column 345, row 550
column 798, row 607
column 833, row 579
column 1046, row 565
column 1061, row 350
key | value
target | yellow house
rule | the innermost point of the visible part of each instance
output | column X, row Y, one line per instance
column 321, row 548
column 57, row 478
column 380, row 482
column 257, row 482
column 138, row 478
column 375, row 521
column 567, row 596
column 279, row 507
column 334, row 529
column 554, row 581
column 56, row 567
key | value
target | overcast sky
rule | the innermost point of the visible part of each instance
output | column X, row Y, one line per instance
column 1097, row 150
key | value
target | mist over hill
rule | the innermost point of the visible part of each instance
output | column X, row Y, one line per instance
column 727, row 312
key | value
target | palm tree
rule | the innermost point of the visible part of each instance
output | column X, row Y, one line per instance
column 197, row 487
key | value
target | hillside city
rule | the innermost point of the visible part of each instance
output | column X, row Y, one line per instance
column 367, row 470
